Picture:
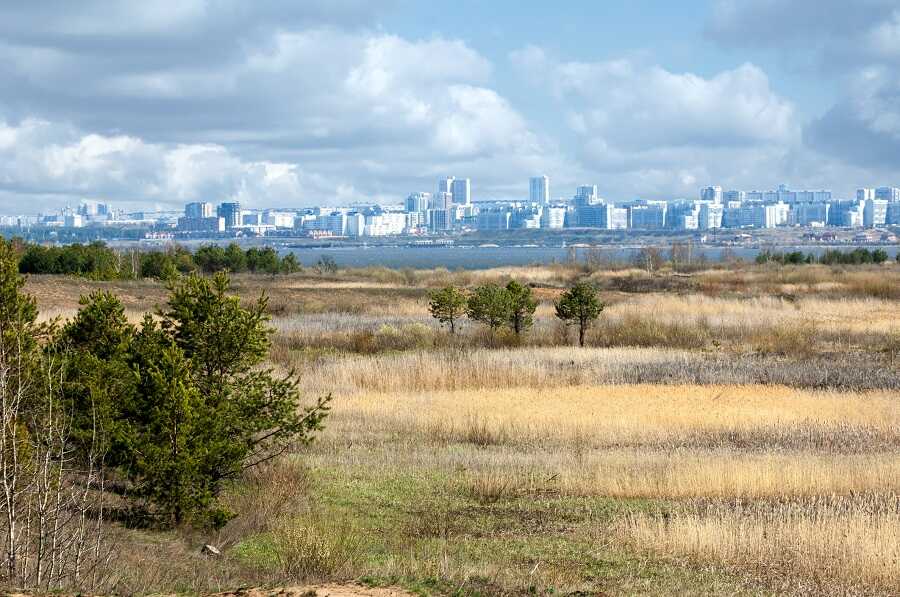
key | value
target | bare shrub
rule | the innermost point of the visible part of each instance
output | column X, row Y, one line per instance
column 263, row 496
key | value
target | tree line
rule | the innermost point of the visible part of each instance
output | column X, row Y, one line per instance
column 513, row 306
column 161, row 413
column 101, row 262
column 858, row 256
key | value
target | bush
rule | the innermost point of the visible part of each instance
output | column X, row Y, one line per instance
column 315, row 547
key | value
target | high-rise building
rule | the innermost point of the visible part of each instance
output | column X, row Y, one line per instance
column 892, row 215
column 199, row 209
column 711, row 194
column 647, row 216
column 279, row 219
column 865, row 194
column 585, row 195
column 251, row 218
column 553, row 217
column 461, row 189
column 441, row 201
column 602, row 215
column 73, row 221
column 887, row 194
column 710, row 215
column 445, row 185
column 439, row 220
column 734, row 196
column 539, row 190
column 497, row 218
column 810, row 214
column 231, row 212
column 874, row 213
column 417, row 202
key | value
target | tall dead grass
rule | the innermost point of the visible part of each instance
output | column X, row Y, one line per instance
column 826, row 545
column 541, row 368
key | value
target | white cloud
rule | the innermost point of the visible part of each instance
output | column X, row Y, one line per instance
column 631, row 106
column 39, row 157
column 346, row 111
column 646, row 130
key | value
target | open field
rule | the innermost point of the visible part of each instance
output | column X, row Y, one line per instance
column 725, row 432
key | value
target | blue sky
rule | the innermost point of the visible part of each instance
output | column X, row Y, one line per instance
column 278, row 103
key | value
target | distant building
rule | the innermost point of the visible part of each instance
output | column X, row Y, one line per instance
column 198, row 210
column 709, row 216
column 682, row 215
column 445, row 185
column 417, row 202
column 231, row 212
column 887, row 194
column 252, row 218
column 647, row 216
column 336, row 223
column 602, row 215
column 847, row 214
column 810, row 214
column 461, row 191
column 439, row 220
column 874, row 213
column 585, row 195
column 441, row 201
column 865, row 194
column 212, row 225
column 279, row 219
column 711, row 194
column 416, row 221
column 92, row 209
column 73, row 221
column 497, row 218
column 892, row 215
column 553, row 217
column 539, row 190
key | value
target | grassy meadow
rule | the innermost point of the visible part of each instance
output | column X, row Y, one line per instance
column 728, row 431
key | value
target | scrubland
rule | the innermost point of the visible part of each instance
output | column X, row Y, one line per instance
column 728, row 431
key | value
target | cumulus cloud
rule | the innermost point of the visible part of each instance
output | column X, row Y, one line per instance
column 855, row 43
column 655, row 131
column 39, row 158
column 863, row 128
column 217, row 85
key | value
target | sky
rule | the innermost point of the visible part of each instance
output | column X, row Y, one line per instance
column 328, row 102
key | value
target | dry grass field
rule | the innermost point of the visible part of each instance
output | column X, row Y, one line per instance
column 731, row 431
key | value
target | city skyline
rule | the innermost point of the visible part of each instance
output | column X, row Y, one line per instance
column 161, row 105
column 450, row 211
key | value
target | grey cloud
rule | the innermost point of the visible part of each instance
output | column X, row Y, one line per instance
column 238, row 91
column 826, row 36
column 793, row 22
column 864, row 127
column 644, row 130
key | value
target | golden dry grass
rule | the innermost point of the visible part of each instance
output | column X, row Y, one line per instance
column 617, row 414
column 648, row 441
column 735, row 461
column 846, row 546
column 795, row 488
